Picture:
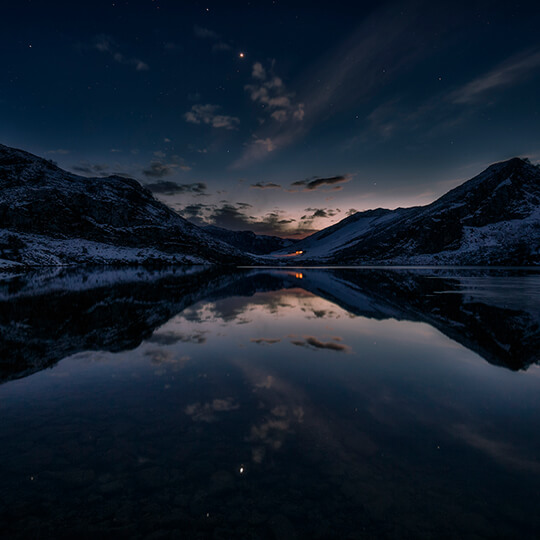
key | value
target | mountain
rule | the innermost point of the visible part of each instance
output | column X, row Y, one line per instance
column 248, row 241
column 494, row 218
column 52, row 217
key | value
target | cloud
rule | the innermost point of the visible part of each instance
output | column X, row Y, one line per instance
column 221, row 47
column 162, row 165
column 157, row 169
column 311, row 341
column 351, row 212
column 196, row 212
column 235, row 217
column 315, row 183
column 258, row 71
column 259, row 148
column 382, row 44
column 166, row 187
column 509, row 72
column 449, row 108
column 107, row 44
column 204, row 33
column 265, row 185
column 206, row 114
column 60, row 151
column 265, row 341
column 320, row 213
column 86, row 168
column 171, row 46
column 269, row 91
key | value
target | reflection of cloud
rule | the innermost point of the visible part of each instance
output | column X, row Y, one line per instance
column 205, row 412
column 267, row 382
column 234, row 307
column 501, row 451
column 265, row 341
column 161, row 357
column 311, row 341
column 170, row 338
column 272, row 432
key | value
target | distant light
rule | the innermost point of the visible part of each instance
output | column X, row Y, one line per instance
column 241, row 470
column 241, row 55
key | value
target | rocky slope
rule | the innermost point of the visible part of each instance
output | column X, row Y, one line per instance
column 52, row 217
column 493, row 218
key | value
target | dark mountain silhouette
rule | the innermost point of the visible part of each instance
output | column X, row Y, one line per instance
column 52, row 217
column 248, row 241
column 493, row 218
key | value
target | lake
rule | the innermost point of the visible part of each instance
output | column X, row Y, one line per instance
column 270, row 403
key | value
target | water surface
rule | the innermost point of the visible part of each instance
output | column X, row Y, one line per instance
column 264, row 403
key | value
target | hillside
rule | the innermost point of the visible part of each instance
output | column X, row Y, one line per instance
column 52, row 217
column 494, row 218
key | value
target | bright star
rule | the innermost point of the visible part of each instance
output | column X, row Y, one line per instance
column 241, row 55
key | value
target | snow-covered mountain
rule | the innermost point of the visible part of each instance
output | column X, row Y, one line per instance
column 248, row 241
column 52, row 217
column 494, row 218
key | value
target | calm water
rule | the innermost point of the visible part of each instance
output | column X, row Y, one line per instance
column 261, row 404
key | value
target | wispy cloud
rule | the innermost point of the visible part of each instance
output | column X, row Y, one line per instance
column 447, row 109
column 509, row 72
column 59, row 151
column 106, row 44
column 206, row 33
column 269, row 91
column 265, row 185
column 207, row 114
column 381, row 46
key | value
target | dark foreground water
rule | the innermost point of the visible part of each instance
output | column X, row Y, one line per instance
column 262, row 404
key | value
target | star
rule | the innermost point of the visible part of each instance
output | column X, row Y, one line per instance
column 241, row 55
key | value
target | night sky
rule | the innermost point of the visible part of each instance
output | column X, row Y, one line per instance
column 273, row 116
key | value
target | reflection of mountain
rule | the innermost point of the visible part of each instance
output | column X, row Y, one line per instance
column 45, row 318
column 493, row 314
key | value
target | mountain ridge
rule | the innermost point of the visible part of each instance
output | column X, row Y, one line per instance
column 53, row 217
column 492, row 218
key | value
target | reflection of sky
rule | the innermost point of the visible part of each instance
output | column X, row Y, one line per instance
column 374, row 398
